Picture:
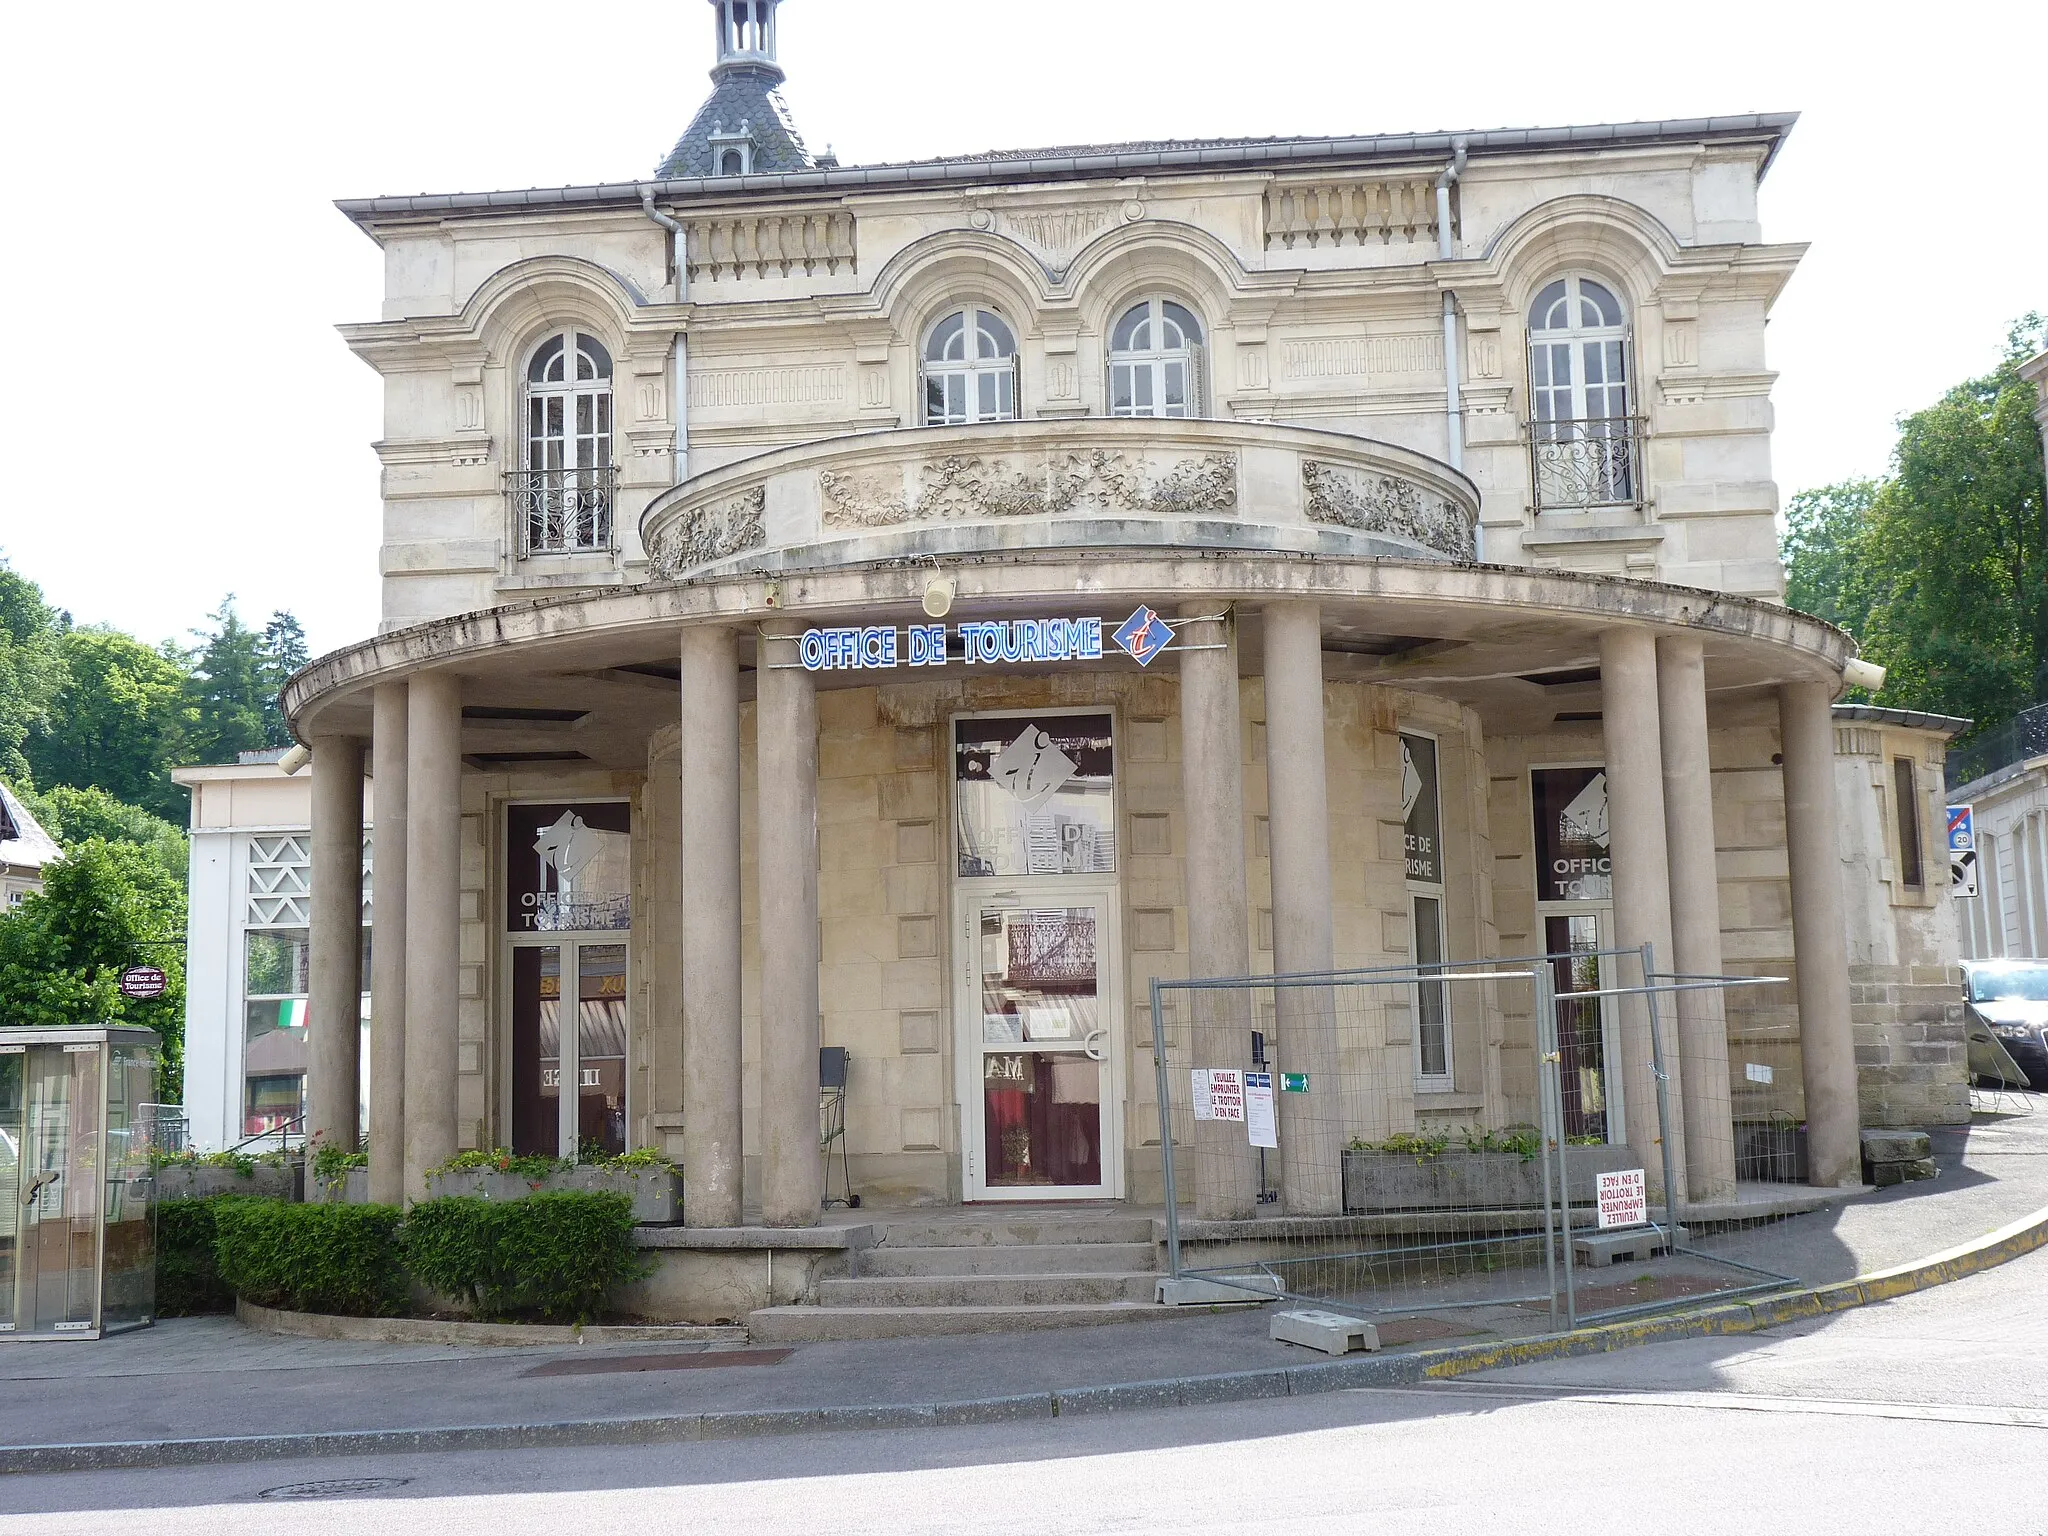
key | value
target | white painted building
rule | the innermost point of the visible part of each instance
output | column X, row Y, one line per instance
column 246, row 980
column 26, row 850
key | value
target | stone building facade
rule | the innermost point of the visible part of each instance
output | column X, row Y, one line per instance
column 768, row 555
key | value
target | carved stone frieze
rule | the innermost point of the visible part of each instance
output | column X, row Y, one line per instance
column 1376, row 503
column 963, row 486
column 716, row 531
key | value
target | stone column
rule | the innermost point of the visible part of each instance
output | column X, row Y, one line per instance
column 1642, row 887
column 1224, row 1165
column 387, row 949
column 709, row 762
column 334, row 983
column 433, row 910
column 1820, row 936
column 786, row 724
column 1695, row 915
column 1298, row 815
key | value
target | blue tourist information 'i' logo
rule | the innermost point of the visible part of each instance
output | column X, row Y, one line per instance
column 1143, row 635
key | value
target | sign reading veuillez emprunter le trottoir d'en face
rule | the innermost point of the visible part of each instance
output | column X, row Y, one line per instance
column 880, row 647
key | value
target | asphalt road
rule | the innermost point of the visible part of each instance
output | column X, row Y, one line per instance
column 1928, row 1413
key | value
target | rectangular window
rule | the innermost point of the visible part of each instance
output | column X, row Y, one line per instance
column 1906, row 795
column 1422, row 843
column 1033, row 795
column 1432, row 998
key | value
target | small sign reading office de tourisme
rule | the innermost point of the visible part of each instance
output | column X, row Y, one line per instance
column 142, row 983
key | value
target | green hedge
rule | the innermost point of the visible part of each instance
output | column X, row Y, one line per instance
column 555, row 1256
column 188, row 1279
column 311, row 1258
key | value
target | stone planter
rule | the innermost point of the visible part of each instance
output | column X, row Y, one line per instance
column 1456, row 1180
column 182, row 1181
column 352, row 1188
column 656, row 1193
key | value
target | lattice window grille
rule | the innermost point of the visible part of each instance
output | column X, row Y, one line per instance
column 280, row 880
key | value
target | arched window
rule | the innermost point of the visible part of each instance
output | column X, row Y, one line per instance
column 565, row 489
column 1155, row 354
column 1581, row 421
column 970, row 369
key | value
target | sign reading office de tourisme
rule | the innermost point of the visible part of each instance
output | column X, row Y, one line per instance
column 880, row 647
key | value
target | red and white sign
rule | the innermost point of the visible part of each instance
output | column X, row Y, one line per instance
column 143, row 982
column 1624, row 1201
column 1219, row 1093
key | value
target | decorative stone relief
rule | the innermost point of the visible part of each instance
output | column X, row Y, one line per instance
column 720, row 389
column 1056, row 233
column 1374, row 503
column 966, row 486
column 714, row 532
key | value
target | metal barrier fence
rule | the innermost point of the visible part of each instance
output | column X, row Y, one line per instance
column 1308, row 1122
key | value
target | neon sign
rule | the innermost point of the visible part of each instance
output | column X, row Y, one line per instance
column 1008, row 642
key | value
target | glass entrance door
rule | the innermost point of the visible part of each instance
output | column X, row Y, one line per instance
column 582, row 1045
column 1043, row 1118
column 55, row 1259
column 1585, row 1027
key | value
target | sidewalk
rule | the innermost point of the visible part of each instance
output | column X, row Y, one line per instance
column 198, row 1378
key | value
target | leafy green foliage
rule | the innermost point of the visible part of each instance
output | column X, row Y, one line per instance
column 235, row 675
column 104, row 907
column 30, row 670
column 188, row 1278
column 311, row 1258
column 1941, row 569
column 556, row 1257
column 73, row 816
column 330, row 1164
column 532, row 1166
column 1522, row 1142
column 121, row 718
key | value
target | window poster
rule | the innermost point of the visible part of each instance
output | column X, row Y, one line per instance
column 1032, row 795
column 568, row 868
column 1570, row 807
column 1421, row 810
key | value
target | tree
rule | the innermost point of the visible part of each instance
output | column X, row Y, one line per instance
column 120, row 721
column 74, row 816
column 285, row 652
column 104, row 907
column 1822, row 574
column 1942, row 572
column 236, row 673
column 30, row 670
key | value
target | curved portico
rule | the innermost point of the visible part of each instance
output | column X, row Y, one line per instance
column 791, row 821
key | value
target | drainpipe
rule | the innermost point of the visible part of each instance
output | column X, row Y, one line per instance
column 1454, row 420
column 678, row 253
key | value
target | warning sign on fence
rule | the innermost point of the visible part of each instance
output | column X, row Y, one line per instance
column 1624, row 1202
column 1219, row 1093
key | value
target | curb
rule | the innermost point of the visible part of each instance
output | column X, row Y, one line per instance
column 2006, row 1243
column 421, row 1330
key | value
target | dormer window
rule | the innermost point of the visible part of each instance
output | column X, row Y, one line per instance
column 563, row 497
column 732, row 150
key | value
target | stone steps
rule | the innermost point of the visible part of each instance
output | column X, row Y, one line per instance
column 1008, row 1259
column 809, row 1325
column 1001, row 1231
column 988, row 1290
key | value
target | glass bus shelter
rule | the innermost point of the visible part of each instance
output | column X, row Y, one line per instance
column 77, row 1192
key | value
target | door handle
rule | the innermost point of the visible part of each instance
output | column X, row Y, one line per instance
column 1092, row 1044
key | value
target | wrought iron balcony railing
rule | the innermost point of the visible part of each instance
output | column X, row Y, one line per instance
column 563, row 511
column 1576, row 466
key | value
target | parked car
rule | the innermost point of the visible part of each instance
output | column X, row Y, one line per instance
column 2010, row 998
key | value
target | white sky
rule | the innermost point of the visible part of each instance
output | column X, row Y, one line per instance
column 191, row 424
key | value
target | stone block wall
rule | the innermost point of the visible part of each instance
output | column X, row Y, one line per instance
column 1911, row 1067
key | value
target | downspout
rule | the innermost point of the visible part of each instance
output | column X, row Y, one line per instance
column 1454, row 419
column 678, row 253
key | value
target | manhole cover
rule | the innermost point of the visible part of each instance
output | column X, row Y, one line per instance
column 334, row 1488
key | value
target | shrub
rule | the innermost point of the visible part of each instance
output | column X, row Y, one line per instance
column 532, row 1167
column 555, row 1256
column 311, row 1258
column 188, row 1279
